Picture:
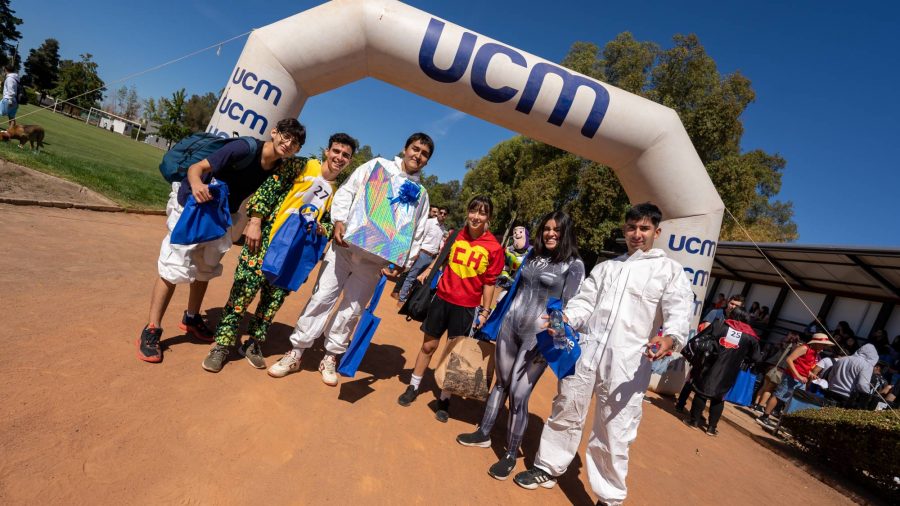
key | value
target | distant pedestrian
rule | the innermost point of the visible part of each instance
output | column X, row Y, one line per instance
column 10, row 103
column 736, row 342
column 796, row 373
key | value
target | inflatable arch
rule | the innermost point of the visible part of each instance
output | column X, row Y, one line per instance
column 286, row 62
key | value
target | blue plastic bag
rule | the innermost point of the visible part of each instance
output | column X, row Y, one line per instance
column 293, row 252
column 203, row 222
column 562, row 361
column 362, row 336
column 742, row 391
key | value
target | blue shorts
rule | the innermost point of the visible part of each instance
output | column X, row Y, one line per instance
column 787, row 386
column 8, row 108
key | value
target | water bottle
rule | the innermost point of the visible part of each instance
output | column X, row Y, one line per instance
column 558, row 325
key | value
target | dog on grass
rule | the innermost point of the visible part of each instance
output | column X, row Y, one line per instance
column 33, row 134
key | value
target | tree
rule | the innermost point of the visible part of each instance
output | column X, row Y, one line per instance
column 170, row 114
column 119, row 101
column 150, row 111
column 199, row 110
column 79, row 83
column 132, row 109
column 9, row 33
column 42, row 66
column 447, row 195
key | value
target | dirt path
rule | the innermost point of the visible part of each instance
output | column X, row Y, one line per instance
column 82, row 421
column 22, row 183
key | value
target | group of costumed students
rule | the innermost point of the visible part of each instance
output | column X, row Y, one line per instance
column 617, row 309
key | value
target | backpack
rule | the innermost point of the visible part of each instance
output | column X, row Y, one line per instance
column 21, row 94
column 703, row 349
column 197, row 147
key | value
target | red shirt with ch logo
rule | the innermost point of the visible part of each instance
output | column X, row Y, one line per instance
column 472, row 263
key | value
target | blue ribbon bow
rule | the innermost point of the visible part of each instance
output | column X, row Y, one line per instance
column 408, row 194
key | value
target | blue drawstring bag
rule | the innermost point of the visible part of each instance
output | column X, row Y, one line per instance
column 362, row 336
column 203, row 222
column 293, row 252
column 561, row 360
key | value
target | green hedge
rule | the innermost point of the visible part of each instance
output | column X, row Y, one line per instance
column 862, row 444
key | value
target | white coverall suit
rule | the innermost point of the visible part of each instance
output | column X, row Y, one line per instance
column 352, row 270
column 619, row 307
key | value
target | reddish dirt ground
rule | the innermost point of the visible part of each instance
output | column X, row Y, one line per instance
column 23, row 183
column 84, row 421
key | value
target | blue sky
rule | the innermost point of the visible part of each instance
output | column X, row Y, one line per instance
column 824, row 75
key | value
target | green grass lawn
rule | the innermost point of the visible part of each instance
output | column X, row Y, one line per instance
column 116, row 166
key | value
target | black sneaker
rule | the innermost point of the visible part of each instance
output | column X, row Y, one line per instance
column 252, row 351
column 474, row 439
column 533, row 478
column 712, row 431
column 196, row 327
column 216, row 358
column 407, row 397
column 690, row 422
column 502, row 468
column 765, row 421
column 148, row 345
column 442, row 414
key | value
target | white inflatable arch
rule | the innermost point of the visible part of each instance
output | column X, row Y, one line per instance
column 287, row 62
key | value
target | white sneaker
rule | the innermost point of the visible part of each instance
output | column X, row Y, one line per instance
column 287, row 364
column 327, row 368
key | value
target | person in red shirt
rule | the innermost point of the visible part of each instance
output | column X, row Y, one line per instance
column 464, row 293
column 798, row 366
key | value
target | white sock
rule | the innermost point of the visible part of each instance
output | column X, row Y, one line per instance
column 414, row 381
column 298, row 352
column 445, row 395
column 190, row 314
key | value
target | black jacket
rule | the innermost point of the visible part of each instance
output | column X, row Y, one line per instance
column 735, row 344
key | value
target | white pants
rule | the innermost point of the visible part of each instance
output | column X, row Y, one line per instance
column 616, row 419
column 346, row 270
column 186, row 263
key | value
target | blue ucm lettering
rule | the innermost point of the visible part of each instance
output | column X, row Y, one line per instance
column 532, row 87
column 251, row 82
column 693, row 245
column 698, row 277
column 237, row 111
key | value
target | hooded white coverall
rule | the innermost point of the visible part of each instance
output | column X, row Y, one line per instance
column 620, row 306
column 352, row 270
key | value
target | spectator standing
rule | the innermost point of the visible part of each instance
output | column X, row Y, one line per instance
column 735, row 342
column 774, row 361
column 713, row 318
column 796, row 374
column 463, row 296
column 431, row 246
column 197, row 264
column 10, row 104
column 619, row 338
column 352, row 270
column 553, row 269
column 300, row 186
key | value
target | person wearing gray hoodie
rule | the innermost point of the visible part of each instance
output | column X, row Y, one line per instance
column 851, row 374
